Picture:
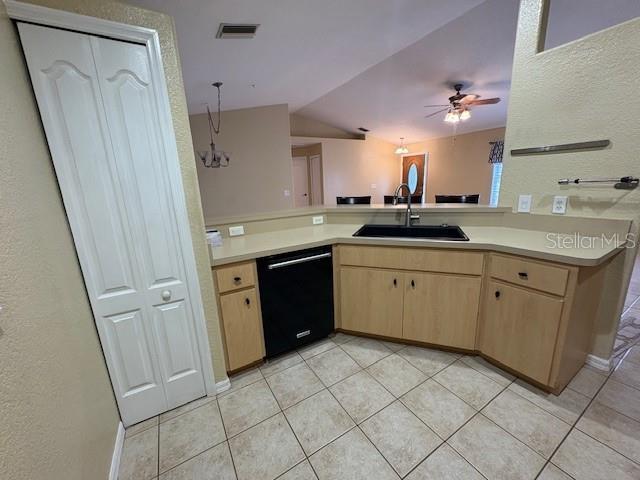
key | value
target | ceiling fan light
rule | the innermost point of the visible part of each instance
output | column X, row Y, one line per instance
column 465, row 115
column 452, row 117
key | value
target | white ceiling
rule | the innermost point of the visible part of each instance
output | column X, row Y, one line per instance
column 389, row 98
column 303, row 48
column 369, row 63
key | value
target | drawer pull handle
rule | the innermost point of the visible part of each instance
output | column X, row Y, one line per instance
column 497, row 293
column 237, row 279
column 523, row 275
column 303, row 334
column 247, row 301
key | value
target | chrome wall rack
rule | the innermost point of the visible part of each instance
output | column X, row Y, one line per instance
column 624, row 183
column 562, row 148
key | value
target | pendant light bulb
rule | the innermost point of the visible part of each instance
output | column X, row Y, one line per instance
column 401, row 149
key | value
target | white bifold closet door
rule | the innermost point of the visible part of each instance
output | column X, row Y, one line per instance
column 100, row 116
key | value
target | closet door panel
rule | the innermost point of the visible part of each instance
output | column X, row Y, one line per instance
column 132, row 116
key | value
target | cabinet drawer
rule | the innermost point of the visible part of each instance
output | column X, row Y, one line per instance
column 242, row 328
column 237, row 276
column 540, row 276
column 423, row 259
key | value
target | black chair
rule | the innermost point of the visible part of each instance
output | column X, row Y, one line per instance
column 388, row 199
column 366, row 200
column 475, row 198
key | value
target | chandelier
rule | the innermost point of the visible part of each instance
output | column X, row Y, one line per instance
column 214, row 158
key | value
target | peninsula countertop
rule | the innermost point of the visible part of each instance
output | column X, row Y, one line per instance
column 563, row 248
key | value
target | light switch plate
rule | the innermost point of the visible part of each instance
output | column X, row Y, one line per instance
column 287, row 193
column 374, row 186
column 524, row 203
column 235, row 231
column 559, row 205
column 318, row 220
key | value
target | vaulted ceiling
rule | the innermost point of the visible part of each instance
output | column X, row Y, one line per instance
column 359, row 63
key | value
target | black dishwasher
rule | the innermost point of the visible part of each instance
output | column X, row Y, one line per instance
column 296, row 295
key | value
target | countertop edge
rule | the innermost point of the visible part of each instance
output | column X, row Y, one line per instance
column 337, row 240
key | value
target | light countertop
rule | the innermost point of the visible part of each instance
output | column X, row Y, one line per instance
column 563, row 248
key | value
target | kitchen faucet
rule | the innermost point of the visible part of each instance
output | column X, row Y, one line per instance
column 410, row 217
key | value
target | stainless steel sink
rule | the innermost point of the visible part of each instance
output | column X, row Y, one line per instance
column 432, row 232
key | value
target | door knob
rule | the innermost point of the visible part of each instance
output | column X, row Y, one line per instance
column 166, row 295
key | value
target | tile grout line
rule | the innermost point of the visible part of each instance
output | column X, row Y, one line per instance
column 352, row 419
column 573, row 427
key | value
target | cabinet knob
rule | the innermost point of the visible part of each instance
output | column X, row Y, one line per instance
column 413, row 284
column 395, row 282
column 247, row 301
column 523, row 275
column 497, row 293
column 237, row 279
column 166, row 295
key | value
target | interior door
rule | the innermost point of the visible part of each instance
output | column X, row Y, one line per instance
column 317, row 190
column 300, row 182
column 99, row 118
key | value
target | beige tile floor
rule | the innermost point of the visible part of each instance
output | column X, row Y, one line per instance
column 352, row 408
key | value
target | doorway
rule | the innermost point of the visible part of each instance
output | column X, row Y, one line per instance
column 307, row 175
column 413, row 173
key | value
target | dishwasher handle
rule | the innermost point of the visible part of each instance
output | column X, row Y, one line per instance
column 296, row 261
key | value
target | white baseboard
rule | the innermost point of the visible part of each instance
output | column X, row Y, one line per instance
column 599, row 363
column 223, row 386
column 117, row 453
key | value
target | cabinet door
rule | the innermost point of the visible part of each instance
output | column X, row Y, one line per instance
column 371, row 301
column 441, row 309
column 242, row 328
column 519, row 329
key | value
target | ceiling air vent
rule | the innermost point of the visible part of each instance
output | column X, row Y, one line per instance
column 362, row 129
column 237, row 30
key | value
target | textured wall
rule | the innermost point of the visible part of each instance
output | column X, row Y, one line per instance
column 58, row 416
column 260, row 170
column 580, row 91
column 163, row 24
column 350, row 167
column 302, row 126
column 460, row 164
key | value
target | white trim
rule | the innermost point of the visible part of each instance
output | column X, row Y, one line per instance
column 117, row 453
column 223, row 386
column 148, row 37
column 599, row 363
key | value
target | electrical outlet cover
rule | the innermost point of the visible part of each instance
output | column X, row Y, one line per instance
column 524, row 203
column 318, row 220
column 235, row 231
column 559, row 205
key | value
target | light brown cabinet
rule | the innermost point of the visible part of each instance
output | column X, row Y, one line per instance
column 441, row 309
column 520, row 329
column 241, row 319
column 531, row 316
column 436, row 307
column 371, row 301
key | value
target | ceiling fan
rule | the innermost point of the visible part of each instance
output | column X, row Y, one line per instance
column 458, row 107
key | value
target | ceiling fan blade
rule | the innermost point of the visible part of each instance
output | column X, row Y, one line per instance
column 436, row 113
column 468, row 98
column 432, row 106
column 484, row 101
